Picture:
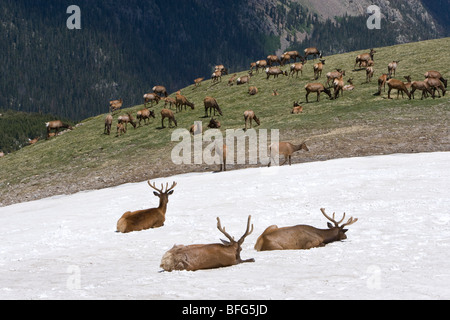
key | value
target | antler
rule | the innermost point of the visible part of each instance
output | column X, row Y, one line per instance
column 349, row 222
column 247, row 232
column 162, row 187
column 241, row 240
column 333, row 219
column 221, row 229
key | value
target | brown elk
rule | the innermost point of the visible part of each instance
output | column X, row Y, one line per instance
column 318, row 88
column 272, row 59
column 349, row 86
column 296, row 68
column 216, row 76
column 392, row 67
column 232, row 79
column 115, row 105
column 286, row 149
column 249, row 116
column 166, row 113
column 198, row 81
column 285, row 58
column 399, row 86
column 56, row 125
column 261, row 64
column 275, row 72
column 150, row 218
column 221, row 68
column 252, row 91
column 369, row 74
column 334, row 75
column 294, row 55
column 223, row 154
column 181, row 101
column 108, row 124
column 312, row 52
column 297, row 108
column 303, row 237
column 435, row 84
column 422, row 86
column 145, row 115
column 160, row 90
column 365, row 58
column 338, row 85
column 382, row 80
column 196, row 129
column 33, row 141
column 207, row 256
column 210, row 103
column 437, row 75
column 169, row 100
column 121, row 129
column 318, row 67
column 151, row 97
column 214, row 124
column 125, row 119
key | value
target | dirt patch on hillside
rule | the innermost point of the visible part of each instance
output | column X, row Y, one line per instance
column 348, row 140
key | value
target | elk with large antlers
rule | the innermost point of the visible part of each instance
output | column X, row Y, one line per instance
column 302, row 237
column 207, row 256
column 150, row 218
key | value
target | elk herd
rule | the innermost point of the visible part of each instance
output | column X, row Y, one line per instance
column 228, row 253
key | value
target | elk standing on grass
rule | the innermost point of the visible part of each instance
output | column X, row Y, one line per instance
column 382, row 80
column 249, row 116
column 286, row 149
column 392, row 67
column 207, row 256
column 303, row 237
column 151, row 97
column 399, row 85
column 437, row 75
column 435, row 84
column 369, row 74
column 160, row 90
column 365, row 58
column 312, row 52
column 272, row 59
column 318, row 88
column 210, row 103
column 166, row 113
column 150, row 218
column 121, row 129
column 334, row 75
column 108, row 124
column 125, row 119
column 198, row 81
column 56, row 125
column 145, row 115
column 275, row 72
column 422, row 86
column 181, row 101
column 318, row 67
column 296, row 68
column 244, row 79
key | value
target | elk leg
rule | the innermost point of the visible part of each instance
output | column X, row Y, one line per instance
column 285, row 160
column 162, row 123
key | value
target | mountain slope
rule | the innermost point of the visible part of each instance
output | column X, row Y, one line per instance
column 358, row 124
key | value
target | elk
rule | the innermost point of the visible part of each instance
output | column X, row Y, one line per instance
column 312, row 52
column 297, row 108
column 286, row 149
column 369, row 74
column 338, row 85
column 145, row 115
column 297, row 67
column 303, row 237
column 275, row 72
column 392, row 67
column 408, row 84
column 195, row 129
column 160, row 90
column 249, row 116
column 211, row 103
column 382, row 80
column 115, row 105
column 365, row 58
column 214, row 124
column 399, row 85
column 420, row 85
column 223, row 153
column 334, row 75
column 437, row 75
column 166, row 113
column 125, row 119
column 252, row 91
column 151, row 97
column 121, row 129
column 33, row 141
column 232, row 79
column 261, row 64
column 169, row 100
column 216, row 76
column 285, row 58
column 2, row 154
column 181, row 101
column 198, row 81
column 244, row 79
column 294, row 55
column 207, row 256
column 108, row 124
column 221, row 68
column 150, row 218
column 350, row 86
column 318, row 67
column 56, row 125
column 316, row 87
column 271, row 59
column 436, row 84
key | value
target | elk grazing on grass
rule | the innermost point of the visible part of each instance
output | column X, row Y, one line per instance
column 435, row 84
column 56, row 125
column 303, row 237
column 422, row 86
column 207, row 256
column 181, row 101
column 151, row 97
column 318, row 88
column 318, row 67
column 286, row 149
column 150, row 218
column 145, row 115
column 392, row 67
column 108, row 124
column 272, row 59
column 160, row 90
column 166, row 113
column 365, row 58
column 249, row 116
column 399, row 86
column 275, row 72
column 115, row 105
column 125, row 119
column 437, row 75
column 312, row 52
column 297, row 108
column 334, row 75
column 296, row 68
column 210, row 103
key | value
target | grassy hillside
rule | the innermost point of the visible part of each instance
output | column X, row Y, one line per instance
column 358, row 124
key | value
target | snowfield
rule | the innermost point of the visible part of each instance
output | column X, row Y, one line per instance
column 66, row 247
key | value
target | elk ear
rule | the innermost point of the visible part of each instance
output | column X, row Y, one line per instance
column 344, row 230
column 330, row 226
column 227, row 243
column 170, row 192
column 156, row 193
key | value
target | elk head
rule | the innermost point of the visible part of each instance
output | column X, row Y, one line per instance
column 340, row 229
column 161, row 194
column 234, row 243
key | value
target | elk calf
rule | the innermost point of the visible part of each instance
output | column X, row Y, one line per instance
column 207, row 256
column 302, row 237
column 150, row 218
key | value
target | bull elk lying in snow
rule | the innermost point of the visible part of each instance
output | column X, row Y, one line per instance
column 302, row 237
column 207, row 256
column 150, row 218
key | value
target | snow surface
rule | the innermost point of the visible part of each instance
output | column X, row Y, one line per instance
column 66, row 247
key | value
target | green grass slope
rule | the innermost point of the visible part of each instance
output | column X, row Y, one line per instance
column 357, row 124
